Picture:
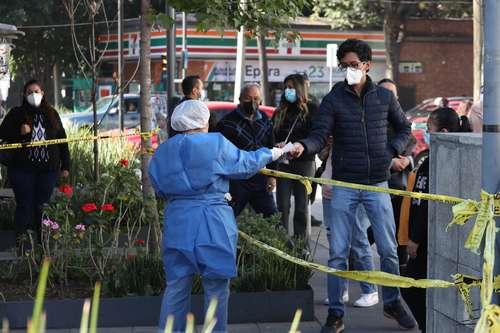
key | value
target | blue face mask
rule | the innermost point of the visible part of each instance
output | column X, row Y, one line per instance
column 427, row 138
column 290, row 95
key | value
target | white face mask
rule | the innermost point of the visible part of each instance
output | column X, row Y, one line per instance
column 353, row 76
column 34, row 99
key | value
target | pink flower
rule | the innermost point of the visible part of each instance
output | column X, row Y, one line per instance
column 80, row 227
column 47, row 222
column 55, row 226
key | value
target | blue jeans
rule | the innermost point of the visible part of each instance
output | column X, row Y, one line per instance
column 360, row 247
column 378, row 208
column 177, row 301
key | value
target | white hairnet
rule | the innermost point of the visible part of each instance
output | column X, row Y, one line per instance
column 190, row 114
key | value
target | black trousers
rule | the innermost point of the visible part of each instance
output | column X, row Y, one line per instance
column 416, row 298
column 261, row 201
column 286, row 188
column 31, row 189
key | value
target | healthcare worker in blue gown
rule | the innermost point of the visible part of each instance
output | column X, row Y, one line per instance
column 192, row 172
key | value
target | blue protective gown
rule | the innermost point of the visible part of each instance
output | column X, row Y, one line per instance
column 192, row 172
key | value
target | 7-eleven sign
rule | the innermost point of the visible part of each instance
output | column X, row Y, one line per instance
column 289, row 47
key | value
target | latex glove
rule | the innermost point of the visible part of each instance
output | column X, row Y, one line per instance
column 277, row 153
column 289, row 147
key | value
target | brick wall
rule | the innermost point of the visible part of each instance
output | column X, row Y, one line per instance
column 445, row 49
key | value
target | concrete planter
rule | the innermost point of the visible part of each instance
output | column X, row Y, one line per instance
column 279, row 306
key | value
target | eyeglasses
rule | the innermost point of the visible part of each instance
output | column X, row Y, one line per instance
column 354, row 65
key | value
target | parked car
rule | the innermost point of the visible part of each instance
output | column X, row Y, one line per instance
column 217, row 111
column 107, row 112
column 418, row 116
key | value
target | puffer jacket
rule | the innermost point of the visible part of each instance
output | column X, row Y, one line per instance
column 361, row 151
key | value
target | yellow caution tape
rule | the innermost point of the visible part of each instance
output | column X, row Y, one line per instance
column 375, row 277
column 489, row 322
column 463, row 283
column 308, row 180
column 280, row 174
column 463, row 210
column 9, row 146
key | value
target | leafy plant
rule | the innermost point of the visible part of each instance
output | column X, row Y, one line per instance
column 259, row 270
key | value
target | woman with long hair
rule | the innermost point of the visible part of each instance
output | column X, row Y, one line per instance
column 33, row 171
column 445, row 120
column 292, row 123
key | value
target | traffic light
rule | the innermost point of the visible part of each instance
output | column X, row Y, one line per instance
column 164, row 67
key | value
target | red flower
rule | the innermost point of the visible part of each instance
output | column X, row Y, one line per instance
column 107, row 207
column 89, row 207
column 140, row 242
column 66, row 189
column 124, row 163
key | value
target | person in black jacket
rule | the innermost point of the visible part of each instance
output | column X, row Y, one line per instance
column 33, row 171
column 357, row 113
column 441, row 120
column 249, row 129
column 401, row 166
column 292, row 122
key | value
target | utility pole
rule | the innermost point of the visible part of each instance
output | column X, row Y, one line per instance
column 184, row 46
column 478, row 17
column 120, row 64
column 170, row 11
column 264, row 73
column 491, row 121
column 239, row 76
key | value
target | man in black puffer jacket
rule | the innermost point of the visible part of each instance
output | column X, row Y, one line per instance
column 357, row 114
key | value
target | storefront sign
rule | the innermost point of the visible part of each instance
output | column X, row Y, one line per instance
column 223, row 71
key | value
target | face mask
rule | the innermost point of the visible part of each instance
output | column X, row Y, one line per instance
column 427, row 138
column 290, row 95
column 250, row 107
column 353, row 76
column 34, row 99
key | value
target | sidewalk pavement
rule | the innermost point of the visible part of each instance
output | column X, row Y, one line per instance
column 356, row 320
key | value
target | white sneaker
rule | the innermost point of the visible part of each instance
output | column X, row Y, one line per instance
column 367, row 300
column 345, row 298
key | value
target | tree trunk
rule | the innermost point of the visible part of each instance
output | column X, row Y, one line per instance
column 94, row 101
column 392, row 25
column 148, row 193
column 264, row 78
column 478, row 47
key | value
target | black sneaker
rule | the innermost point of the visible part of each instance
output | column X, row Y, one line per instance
column 333, row 324
column 315, row 222
column 397, row 312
